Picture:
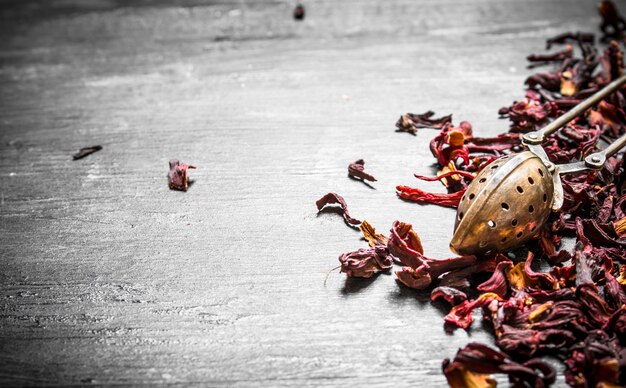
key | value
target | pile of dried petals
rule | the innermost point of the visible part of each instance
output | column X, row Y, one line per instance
column 576, row 310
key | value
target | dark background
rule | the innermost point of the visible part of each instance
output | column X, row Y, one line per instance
column 107, row 276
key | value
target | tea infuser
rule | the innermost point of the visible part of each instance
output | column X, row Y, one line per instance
column 506, row 204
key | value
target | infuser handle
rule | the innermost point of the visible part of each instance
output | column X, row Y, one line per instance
column 597, row 159
column 538, row 137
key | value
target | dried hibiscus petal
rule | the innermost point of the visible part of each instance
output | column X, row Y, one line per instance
column 498, row 283
column 357, row 170
column 559, row 56
column 365, row 263
column 405, row 244
column 580, row 37
column 416, row 195
column 178, row 177
column 333, row 198
column 481, row 359
column 461, row 314
column 410, row 122
column 613, row 24
column 86, row 151
column 416, row 278
column 373, row 238
column 449, row 294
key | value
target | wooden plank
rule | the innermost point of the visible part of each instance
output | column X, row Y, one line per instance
column 109, row 277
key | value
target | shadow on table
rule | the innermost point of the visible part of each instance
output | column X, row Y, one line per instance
column 356, row 285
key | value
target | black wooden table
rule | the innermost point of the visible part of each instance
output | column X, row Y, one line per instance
column 109, row 277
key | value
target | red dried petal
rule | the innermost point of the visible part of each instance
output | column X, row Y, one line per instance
column 449, row 294
column 416, row 195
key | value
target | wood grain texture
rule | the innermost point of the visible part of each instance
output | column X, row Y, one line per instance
column 109, row 277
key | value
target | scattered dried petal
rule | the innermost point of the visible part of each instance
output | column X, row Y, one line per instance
column 86, row 151
column 178, row 177
column 410, row 122
column 333, row 198
column 357, row 170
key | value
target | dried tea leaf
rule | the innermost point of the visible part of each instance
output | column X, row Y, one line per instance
column 178, row 177
column 333, row 198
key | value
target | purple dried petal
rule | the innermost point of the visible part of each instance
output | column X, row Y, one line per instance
column 357, row 170
column 333, row 198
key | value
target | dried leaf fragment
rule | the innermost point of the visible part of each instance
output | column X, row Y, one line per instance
column 357, row 170
column 333, row 198
column 178, row 176
column 86, row 151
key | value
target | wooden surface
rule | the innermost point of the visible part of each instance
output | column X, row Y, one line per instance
column 109, row 277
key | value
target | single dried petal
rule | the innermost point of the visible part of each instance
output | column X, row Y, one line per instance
column 417, row 278
column 178, row 177
column 373, row 238
column 333, row 198
column 461, row 315
column 86, row 151
column 356, row 170
column 460, row 377
column 479, row 358
column 558, row 56
column 410, row 122
column 449, row 294
column 405, row 244
column 498, row 283
column 579, row 37
column 518, row 278
column 613, row 25
column 365, row 263
column 416, row 195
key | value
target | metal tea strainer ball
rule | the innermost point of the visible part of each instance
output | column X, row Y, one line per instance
column 510, row 199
